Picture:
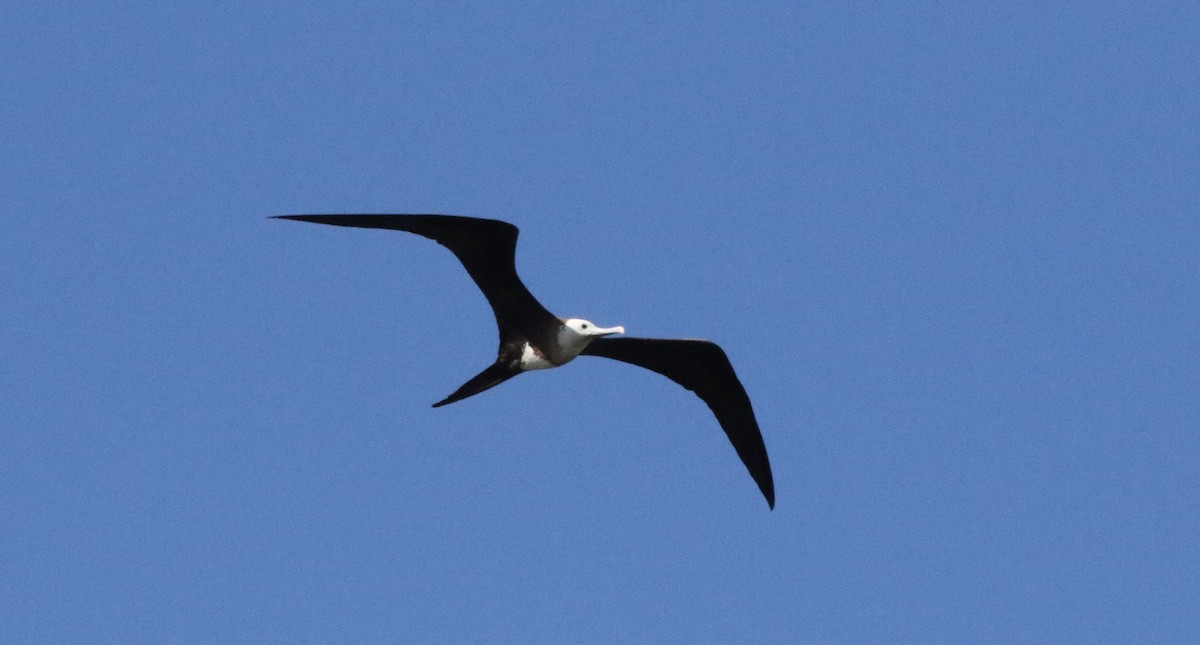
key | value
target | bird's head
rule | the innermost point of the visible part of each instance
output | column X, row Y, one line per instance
column 576, row 333
column 588, row 329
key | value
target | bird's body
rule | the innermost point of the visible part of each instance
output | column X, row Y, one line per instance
column 532, row 338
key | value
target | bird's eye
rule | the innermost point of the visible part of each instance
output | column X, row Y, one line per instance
column 585, row 325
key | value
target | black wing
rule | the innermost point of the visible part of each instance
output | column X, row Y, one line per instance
column 486, row 247
column 702, row 367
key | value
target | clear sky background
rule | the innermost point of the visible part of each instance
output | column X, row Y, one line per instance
column 951, row 251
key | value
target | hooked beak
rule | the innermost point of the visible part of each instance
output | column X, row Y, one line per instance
column 605, row 331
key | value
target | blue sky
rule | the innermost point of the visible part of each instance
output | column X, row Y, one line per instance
column 950, row 250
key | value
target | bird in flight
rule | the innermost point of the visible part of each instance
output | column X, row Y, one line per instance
column 532, row 338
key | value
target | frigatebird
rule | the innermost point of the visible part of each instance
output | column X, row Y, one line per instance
column 533, row 338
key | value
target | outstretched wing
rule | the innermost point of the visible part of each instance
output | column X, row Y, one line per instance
column 486, row 247
column 702, row 367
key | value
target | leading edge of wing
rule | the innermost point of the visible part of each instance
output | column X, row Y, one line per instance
column 425, row 224
column 485, row 247
column 702, row 367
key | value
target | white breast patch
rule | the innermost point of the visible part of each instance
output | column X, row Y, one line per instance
column 532, row 360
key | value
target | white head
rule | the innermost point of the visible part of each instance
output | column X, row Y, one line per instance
column 576, row 333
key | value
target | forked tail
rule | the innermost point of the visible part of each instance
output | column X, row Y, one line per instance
column 494, row 375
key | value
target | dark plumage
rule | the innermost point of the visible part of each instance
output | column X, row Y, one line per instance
column 533, row 338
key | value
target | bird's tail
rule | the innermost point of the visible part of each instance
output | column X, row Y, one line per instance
column 494, row 375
